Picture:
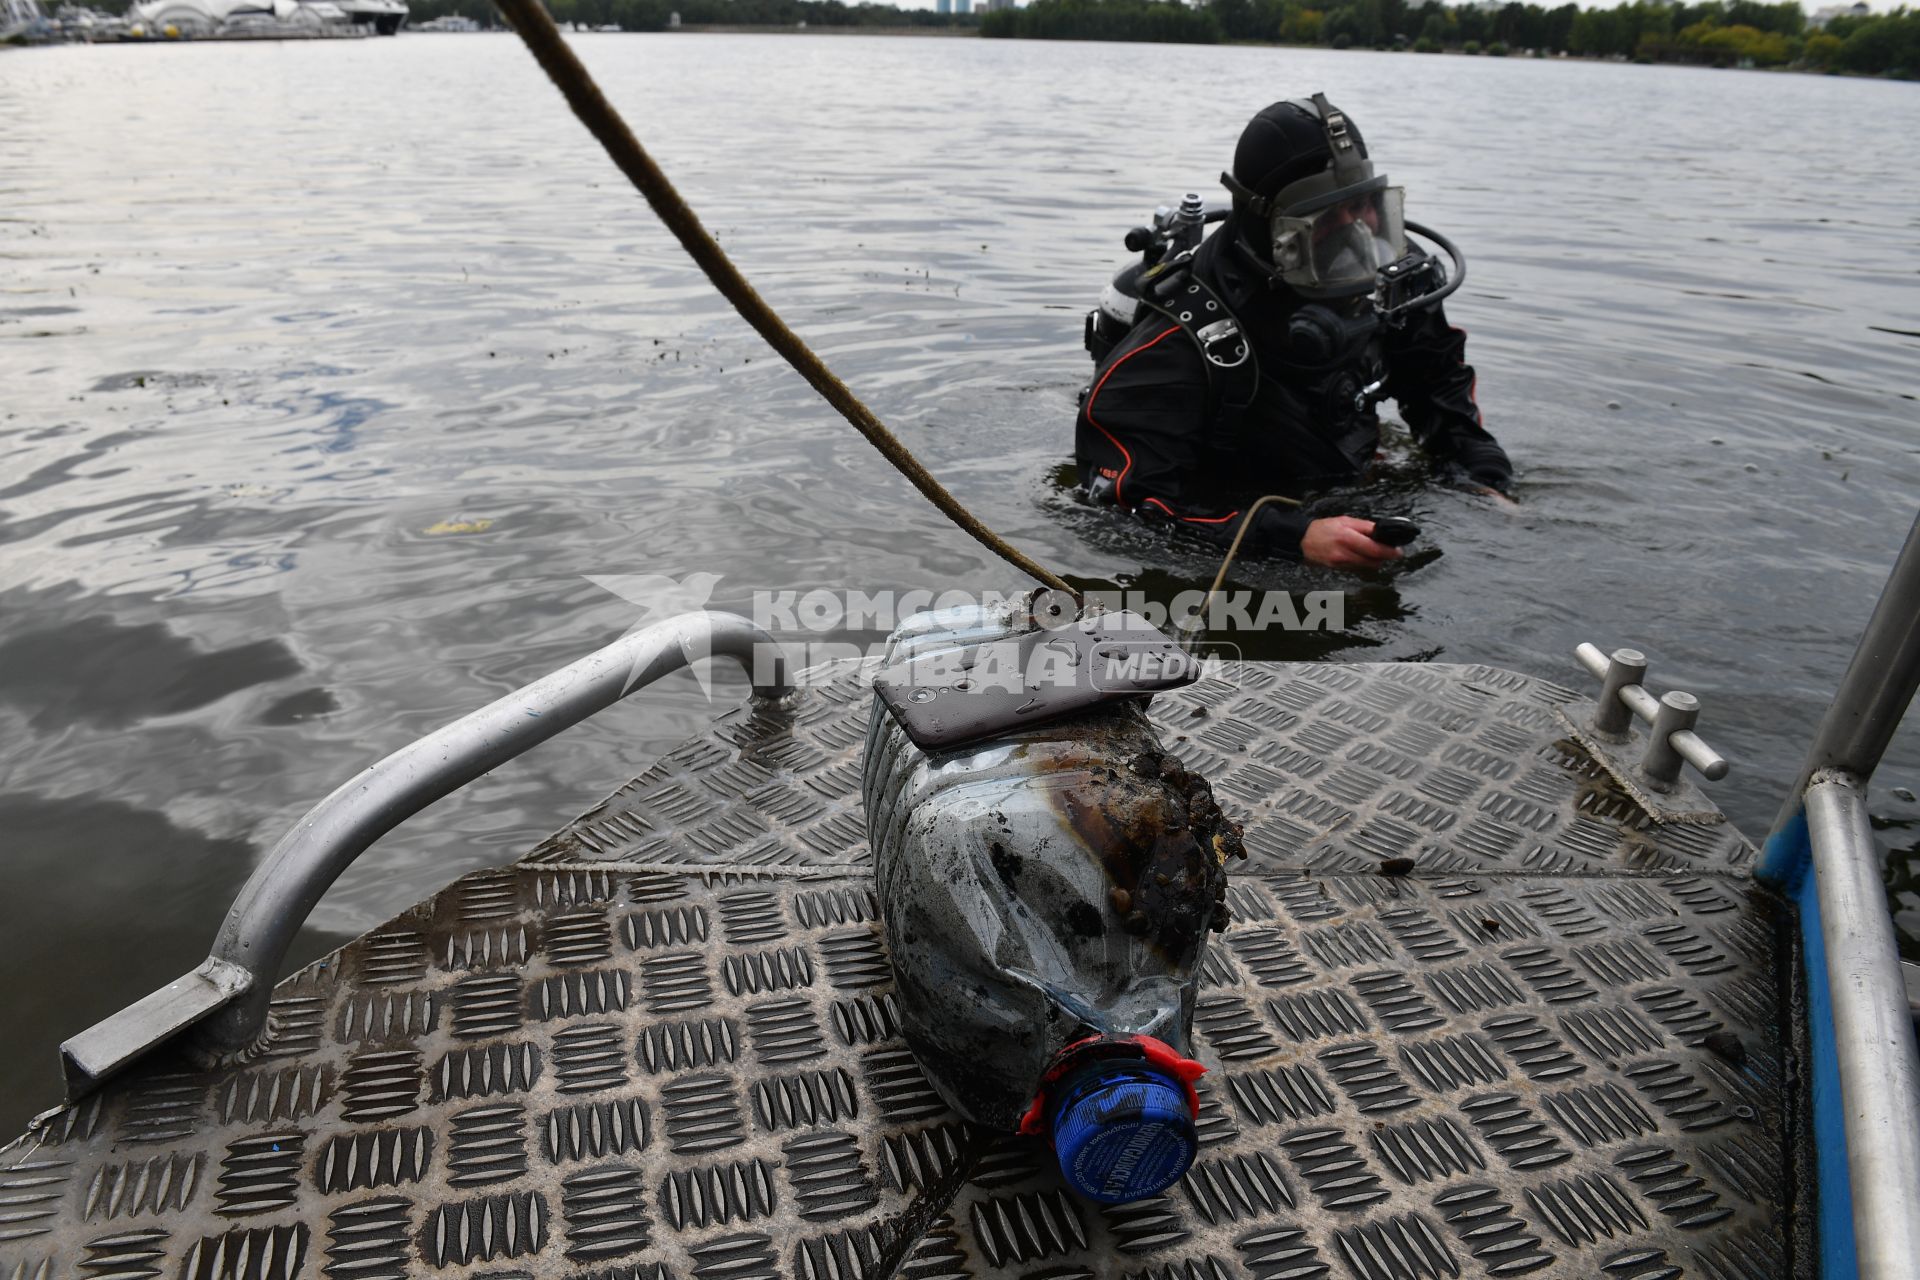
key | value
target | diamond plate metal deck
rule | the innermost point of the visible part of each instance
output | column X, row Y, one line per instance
column 666, row 1043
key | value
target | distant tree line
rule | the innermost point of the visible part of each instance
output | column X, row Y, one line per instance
column 655, row 15
column 1712, row 33
column 1159, row 21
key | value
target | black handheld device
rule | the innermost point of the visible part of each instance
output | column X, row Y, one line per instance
column 1394, row 531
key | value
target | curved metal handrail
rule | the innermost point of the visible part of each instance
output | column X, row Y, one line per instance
column 224, row 1001
column 1863, row 1063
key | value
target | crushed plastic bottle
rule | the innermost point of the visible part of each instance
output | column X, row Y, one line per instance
column 1047, row 896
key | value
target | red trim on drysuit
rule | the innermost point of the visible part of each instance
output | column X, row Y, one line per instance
column 1189, row 519
column 1157, row 1053
column 1119, row 483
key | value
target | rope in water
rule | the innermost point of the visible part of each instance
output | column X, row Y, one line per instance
column 535, row 26
column 1198, row 630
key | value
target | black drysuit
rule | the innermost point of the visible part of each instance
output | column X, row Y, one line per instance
column 1150, row 439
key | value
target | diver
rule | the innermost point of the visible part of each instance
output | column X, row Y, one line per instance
column 1250, row 362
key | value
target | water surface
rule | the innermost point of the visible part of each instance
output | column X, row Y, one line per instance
column 282, row 327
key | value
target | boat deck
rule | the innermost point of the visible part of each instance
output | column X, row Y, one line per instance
column 665, row 1044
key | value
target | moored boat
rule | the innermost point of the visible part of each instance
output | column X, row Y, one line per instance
column 386, row 17
column 260, row 19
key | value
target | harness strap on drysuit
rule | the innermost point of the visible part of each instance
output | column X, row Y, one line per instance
column 1233, row 371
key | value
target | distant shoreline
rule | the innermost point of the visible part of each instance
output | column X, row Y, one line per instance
column 957, row 32
column 953, row 32
column 822, row 29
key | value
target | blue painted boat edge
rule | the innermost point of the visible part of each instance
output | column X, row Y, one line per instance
column 1786, row 862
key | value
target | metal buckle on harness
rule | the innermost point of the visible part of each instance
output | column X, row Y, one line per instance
column 1339, row 137
column 1223, row 344
column 1337, row 131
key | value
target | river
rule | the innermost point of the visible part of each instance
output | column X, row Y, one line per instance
column 334, row 372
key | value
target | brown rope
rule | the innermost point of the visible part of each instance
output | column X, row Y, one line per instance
column 531, row 20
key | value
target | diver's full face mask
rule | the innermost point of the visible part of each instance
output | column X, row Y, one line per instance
column 1335, row 246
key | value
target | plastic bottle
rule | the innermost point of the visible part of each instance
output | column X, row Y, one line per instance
column 1047, row 896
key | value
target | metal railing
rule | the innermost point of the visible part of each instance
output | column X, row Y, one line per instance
column 1861, row 1017
column 224, row 1002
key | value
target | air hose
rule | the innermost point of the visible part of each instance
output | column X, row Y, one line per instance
column 535, row 26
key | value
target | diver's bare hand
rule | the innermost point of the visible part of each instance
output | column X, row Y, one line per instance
column 1343, row 542
column 1499, row 499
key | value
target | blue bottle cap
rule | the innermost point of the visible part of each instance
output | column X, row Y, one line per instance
column 1122, row 1132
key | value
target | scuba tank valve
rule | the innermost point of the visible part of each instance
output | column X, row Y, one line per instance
column 1174, row 230
column 1188, row 222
